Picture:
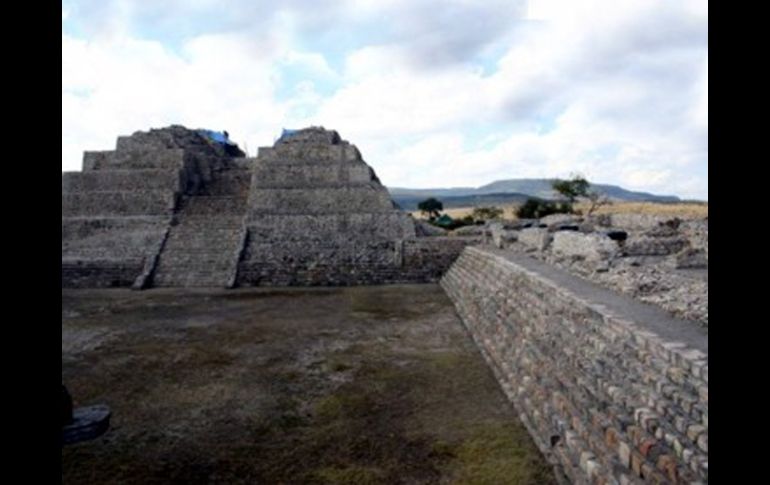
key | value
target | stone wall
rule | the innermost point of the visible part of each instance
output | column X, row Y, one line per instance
column 117, row 203
column 119, row 180
column 306, row 200
column 612, row 390
column 120, row 246
column 431, row 257
column 108, row 273
column 414, row 260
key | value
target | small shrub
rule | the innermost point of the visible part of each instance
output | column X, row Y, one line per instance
column 468, row 220
column 483, row 214
column 537, row 208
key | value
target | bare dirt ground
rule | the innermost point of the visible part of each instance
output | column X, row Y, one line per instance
column 363, row 385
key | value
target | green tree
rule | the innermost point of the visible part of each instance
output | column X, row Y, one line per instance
column 431, row 207
column 571, row 189
column 537, row 208
column 578, row 187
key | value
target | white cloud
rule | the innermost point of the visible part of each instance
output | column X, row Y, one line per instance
column 615, row 90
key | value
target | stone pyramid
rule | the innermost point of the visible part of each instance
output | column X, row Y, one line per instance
column 171, row 208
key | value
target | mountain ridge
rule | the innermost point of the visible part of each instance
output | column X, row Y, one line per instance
column 510, row 191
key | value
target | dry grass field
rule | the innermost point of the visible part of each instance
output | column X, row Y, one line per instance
column 337, row 386
column 683, row 210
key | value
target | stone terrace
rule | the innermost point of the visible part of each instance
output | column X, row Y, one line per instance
column 170, row 208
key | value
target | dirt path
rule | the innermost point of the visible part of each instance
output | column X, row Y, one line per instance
column 361, row 385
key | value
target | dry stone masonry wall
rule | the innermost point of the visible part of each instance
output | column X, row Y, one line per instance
column 614, row 391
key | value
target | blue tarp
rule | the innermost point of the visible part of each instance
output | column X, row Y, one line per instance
column 216, row 136
column 287, row 133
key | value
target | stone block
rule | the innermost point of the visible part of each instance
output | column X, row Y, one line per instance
column 535, row 238
column 593, row 247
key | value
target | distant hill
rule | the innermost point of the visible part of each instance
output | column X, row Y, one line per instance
column 510, row 191
column 409, row 202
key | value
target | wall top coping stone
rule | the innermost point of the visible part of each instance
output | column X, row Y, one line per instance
column 644, row 317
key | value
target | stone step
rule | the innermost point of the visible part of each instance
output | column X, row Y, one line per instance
column 199, row 242
column 232, row 183
column 220, row 219
column 314, row 152
column 372, row 198
column 200, row 250
column 196, row 259
column 193, row 223
column 183, row 278
column 192, row 279
column 326, row 227
column 180, row 272
column 192, row 230
column 212, row 205
column 193, row 253
column 293, row 175
column 184, row 238
column 79, row 228
column 200, row 245
column 171, row 272
column 176, row 264
column 72, row 251
column 153, row 158
column 120, row 180
column 118, row 203
column 205, row 234
column 80, row 272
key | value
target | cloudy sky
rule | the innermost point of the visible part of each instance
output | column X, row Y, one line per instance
column 433, row 92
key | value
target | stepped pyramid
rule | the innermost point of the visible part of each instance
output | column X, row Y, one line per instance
column 118, row 213
column 318, row 215
column 170, row 207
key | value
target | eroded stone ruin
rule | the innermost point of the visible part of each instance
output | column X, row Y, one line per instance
column 657, row 259
column 611, row 389
column 170, row 208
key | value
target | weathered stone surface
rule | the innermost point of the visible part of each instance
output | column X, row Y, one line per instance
column 173, row 137
column 588, row 367
column 535, row 238
column 469, row 231
column 593, row 247
column 423, row 228
column 637, row 222
column 351, row 199
column 501, row 237
column 653, row 246
column 122, row 180
column 697, row 233
column 560, row 219
column 118, row 203
column 647, row 265
column 169, row 207
column 116, row 214
column 690, row 258
column 340, row 228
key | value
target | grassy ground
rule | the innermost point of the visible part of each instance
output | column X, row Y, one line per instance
column 683, row 210
column 375, row 385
